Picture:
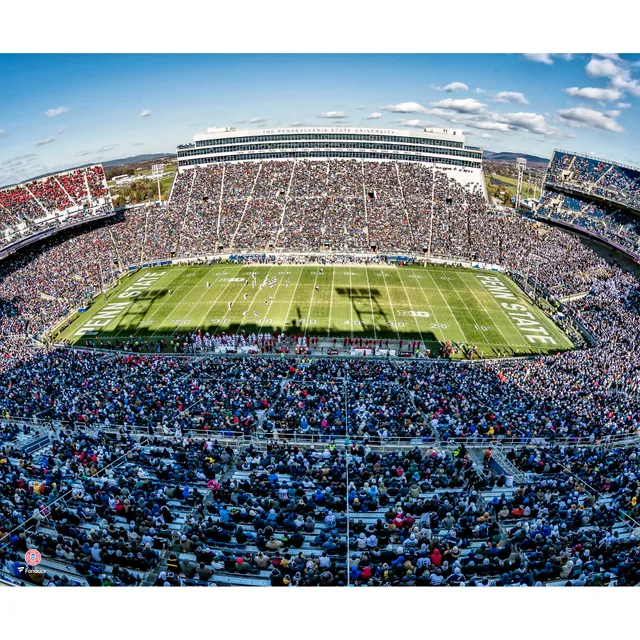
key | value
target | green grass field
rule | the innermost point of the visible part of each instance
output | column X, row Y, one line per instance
column 432, row 304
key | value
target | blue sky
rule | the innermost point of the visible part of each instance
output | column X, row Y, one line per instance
column 59, row 111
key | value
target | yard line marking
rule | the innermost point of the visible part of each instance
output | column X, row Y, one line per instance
column 306, row 324
column 393, row 313
column 495, row 324
column 180, row 271
column 204, row 319
column 275, row 295
column 286, row 319
column 410, row 305
column 373, row 318
column 433, row 313
column 215, row 279
column 333, row 280
column 448, row 307
column 250, row 304
column 208, row 311
column 189, row 289
column 234, row 300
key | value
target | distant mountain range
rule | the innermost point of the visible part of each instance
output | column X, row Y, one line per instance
column 508, row 156
column 141, row 158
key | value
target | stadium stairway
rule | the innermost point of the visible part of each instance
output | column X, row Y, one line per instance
column 501, row 465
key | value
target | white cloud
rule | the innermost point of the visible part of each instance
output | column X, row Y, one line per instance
column 623, row 105
column 145, row 113
column 52, row 113
column 547, row 58
column 479, row 90
column 611, row 56
column 482, row 135
column 594, row 93
column 590, row 119
column 466, row 105
column 333, row 114
column 618, row 74
column 506, row 122
column 42, row 143
column 491, row 126
column 473, row 114
column 510, row 96
column 3, row 132
column 256, row 120
column 415, row 123
column 454, row 86
column 525, row 121
column 405, row 107
column 603, row 68
column 61, row 130
column 539, row 57
column 625, row 83
column 138, row 144
column 374, row 116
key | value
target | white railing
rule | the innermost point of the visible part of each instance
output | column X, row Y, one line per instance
column 260, row 439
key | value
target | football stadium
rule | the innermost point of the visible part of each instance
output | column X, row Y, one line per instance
column 327, row 359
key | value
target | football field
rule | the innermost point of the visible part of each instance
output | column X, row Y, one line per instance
column 432, row 304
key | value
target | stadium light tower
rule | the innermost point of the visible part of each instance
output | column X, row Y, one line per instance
column 156, row 172
column 521, row 164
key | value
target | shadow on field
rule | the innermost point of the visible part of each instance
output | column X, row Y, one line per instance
column 369, row 320
column 367, row 297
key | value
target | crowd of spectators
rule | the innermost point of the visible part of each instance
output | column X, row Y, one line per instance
column 260, row 223
column 41, row 285
column 339, row 471
column 50, row 194
column 75, row 184
column 97, row 181
column 200, row 230
column 606, row 221
column 107, row 509
column 18, row 206
column 311, row 205
column 619, row 186
column 44, row 199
